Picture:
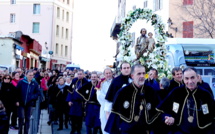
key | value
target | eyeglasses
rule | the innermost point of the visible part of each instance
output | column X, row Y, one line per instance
column 7, row 78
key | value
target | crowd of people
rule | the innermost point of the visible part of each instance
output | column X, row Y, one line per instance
column 127, row 103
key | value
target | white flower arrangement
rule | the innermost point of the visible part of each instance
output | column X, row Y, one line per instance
column 155, row 59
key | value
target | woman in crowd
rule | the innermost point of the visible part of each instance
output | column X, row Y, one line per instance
column 8, row 97
column 44, row 87
column 3, row 120
column 62, row 107
column 15, row 78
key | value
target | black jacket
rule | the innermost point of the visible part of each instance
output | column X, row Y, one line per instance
column 179, row 97
column 115, row 85
column 8, row 95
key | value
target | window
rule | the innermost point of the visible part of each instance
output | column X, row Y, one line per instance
column 12, row 18
column 158, row 4
column 57, row 30
column 56, row 48
column 145, row 4
column 63, row 15
column 12, row 1
column 188, row 29
column 68, row 2
column 62, row 32
column 36, row 27
column 67, row 33
column 67, row 16
column 58, row 12
column 66, row 50
column 36, row 9
column 61, row 50
column 187, row 2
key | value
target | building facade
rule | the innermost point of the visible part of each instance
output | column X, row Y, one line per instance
column 10, row 54
column 47, row 21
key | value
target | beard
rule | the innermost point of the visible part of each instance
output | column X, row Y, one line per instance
column 140, row 82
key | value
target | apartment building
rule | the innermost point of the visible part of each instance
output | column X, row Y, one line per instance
column 47, row 21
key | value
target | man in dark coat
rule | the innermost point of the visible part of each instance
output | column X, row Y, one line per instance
column 75, row 102
column 133, row 106
column 117, row 83
column 92, row 108
column 27, row 94
column 177, row 78
column 189, row 109
column 153, row 75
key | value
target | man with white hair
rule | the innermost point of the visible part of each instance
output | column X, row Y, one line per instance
column 102, row 89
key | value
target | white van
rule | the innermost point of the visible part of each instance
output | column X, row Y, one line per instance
column 195, row 52
column 72, row 67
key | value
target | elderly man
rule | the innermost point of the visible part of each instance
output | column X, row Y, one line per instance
column 102, row 89
column 133, row 106
column 190, row 109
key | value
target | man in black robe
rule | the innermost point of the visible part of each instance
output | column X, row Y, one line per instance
column 133, row 106
column 177, row 78
column 122, row 80
column 189, row 109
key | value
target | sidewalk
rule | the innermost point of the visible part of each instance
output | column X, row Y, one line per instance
column 67, row 131
column 44, row 128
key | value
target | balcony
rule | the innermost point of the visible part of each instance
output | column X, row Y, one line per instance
column 115, row 29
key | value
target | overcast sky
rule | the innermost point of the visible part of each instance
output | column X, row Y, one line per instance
column 92, row 46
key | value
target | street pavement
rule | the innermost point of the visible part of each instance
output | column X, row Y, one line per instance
column 67, row 131
column 44, row 128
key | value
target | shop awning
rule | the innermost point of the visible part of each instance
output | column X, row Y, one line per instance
column 19, row 47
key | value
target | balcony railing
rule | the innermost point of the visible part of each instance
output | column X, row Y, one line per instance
column 115, row 29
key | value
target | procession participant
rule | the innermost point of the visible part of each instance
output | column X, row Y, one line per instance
column 27, row 94
column 118, row 82
column 164, row 86
column 204, row 85
column 102, row 89
column 190, row 108
column 68, row 80
column 153, row 75
column 177, row 78
column 133, row 106
column 92, row 107
column 75, row 102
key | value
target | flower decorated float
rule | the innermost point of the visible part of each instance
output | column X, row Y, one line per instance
column 150, row 59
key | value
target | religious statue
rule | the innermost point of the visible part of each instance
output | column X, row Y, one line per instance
column 151, row 45
column 142, row 43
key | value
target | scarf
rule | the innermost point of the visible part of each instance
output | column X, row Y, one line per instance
column 61, row 87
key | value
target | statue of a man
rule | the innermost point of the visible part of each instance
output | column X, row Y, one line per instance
column 142, row 43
